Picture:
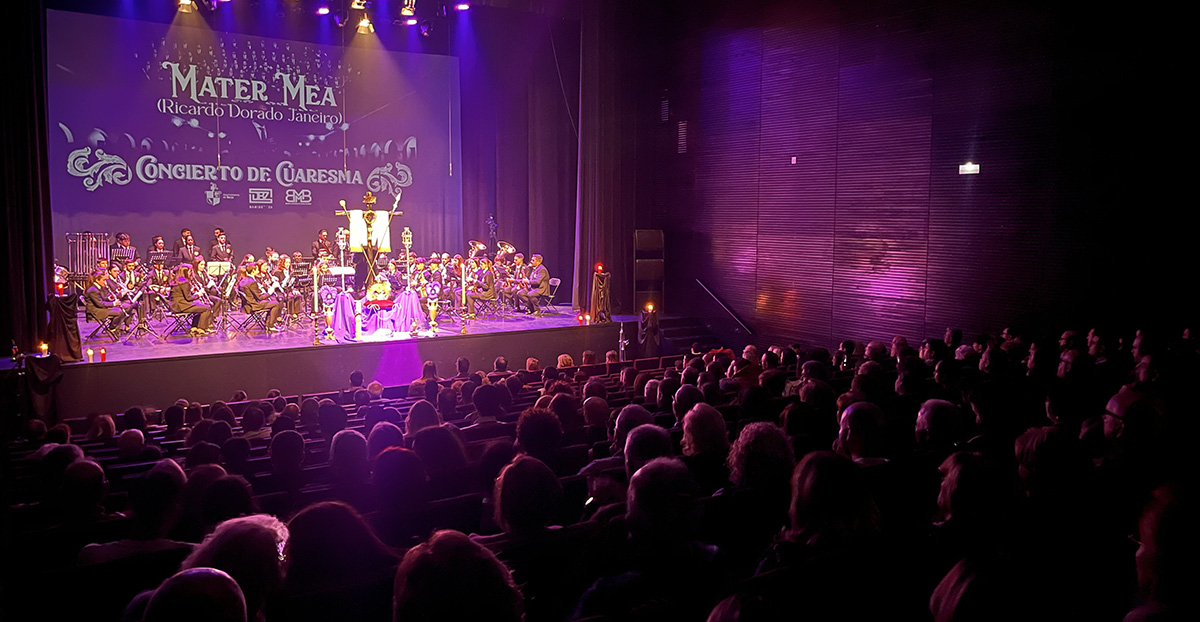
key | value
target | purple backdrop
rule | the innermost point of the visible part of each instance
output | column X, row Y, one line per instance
column 156, row 127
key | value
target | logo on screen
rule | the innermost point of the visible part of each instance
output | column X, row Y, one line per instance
column 298, row 197
column 260, row 195
column 213, row 194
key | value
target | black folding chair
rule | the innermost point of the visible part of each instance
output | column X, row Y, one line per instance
column 253, row 318
column 546, row 303
column 177, row 321
column 107, row 326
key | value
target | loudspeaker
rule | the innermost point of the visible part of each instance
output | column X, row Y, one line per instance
column 649, row 269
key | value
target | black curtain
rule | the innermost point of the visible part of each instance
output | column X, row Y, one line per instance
column 25, row 273
column 605, row 203
column 520, row 85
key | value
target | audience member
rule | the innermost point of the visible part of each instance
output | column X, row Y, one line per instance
column 385, row 434
column 102, row 428
column 705, row 447
column 431, row 577
column 249, row 549
column 440, row 449
column 539, row 434
column 196, row 595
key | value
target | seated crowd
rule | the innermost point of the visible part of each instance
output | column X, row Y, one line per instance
column 1043, row 478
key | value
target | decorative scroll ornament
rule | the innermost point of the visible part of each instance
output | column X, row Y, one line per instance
column 106, row 168
column 383, row 181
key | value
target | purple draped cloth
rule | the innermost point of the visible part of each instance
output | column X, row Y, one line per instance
column 407, row 309
column 375, row 319
column 343, row 317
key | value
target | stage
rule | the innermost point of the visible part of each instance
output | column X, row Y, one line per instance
column 150, row 372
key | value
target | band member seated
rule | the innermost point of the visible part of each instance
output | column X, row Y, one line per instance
column 157, row 244
column 187, row 298
column 397, row 280
column 486, row 289
column 221, row 250
column 322, row 247
column 124, row 294
column 182, row 241
column 539, row 284
column 100, row 303
column 255, row 299
column 159, row 284
column 286, row 278
column 135, row 282
column 122, row 248
column 189, row 252
column 518, row 275
column 207, row 284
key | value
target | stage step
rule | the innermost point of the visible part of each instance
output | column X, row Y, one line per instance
column 679, row 333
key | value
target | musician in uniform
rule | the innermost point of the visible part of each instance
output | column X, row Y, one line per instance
column 255, row 299
column 207, row 284
column 285, row 278
column 322, row 247
column 518, row 275
column 100, row 302
column 397, row 280
column 454, row 275
column 539, row 284
column 486, row 289
column 217, row 233
column 123, row 294
column 221, row 249
column 122, row 249
column 189, row 251
column 157, row 245
column 182, row 241
column 187, row 298
column 135, row 281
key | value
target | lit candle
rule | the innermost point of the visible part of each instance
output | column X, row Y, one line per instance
column 44, row 348
column 89, row 354
column 59, row 288
column 587, row 319
column 103, row 355
column 580, row 318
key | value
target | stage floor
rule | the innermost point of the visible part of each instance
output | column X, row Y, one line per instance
column 301, row 336
column 147, row 373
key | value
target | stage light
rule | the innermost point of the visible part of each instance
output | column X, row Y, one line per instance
column 461, row 6
column 187, row 6
column 426, row 28
column 323, row 10
column 358, row 5
column 409, row 9
column 412, row 21
column 365, row 27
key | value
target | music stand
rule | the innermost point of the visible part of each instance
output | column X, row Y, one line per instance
column 167, row 257
column 122, row 253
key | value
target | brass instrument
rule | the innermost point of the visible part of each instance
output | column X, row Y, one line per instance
column 505, row 249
